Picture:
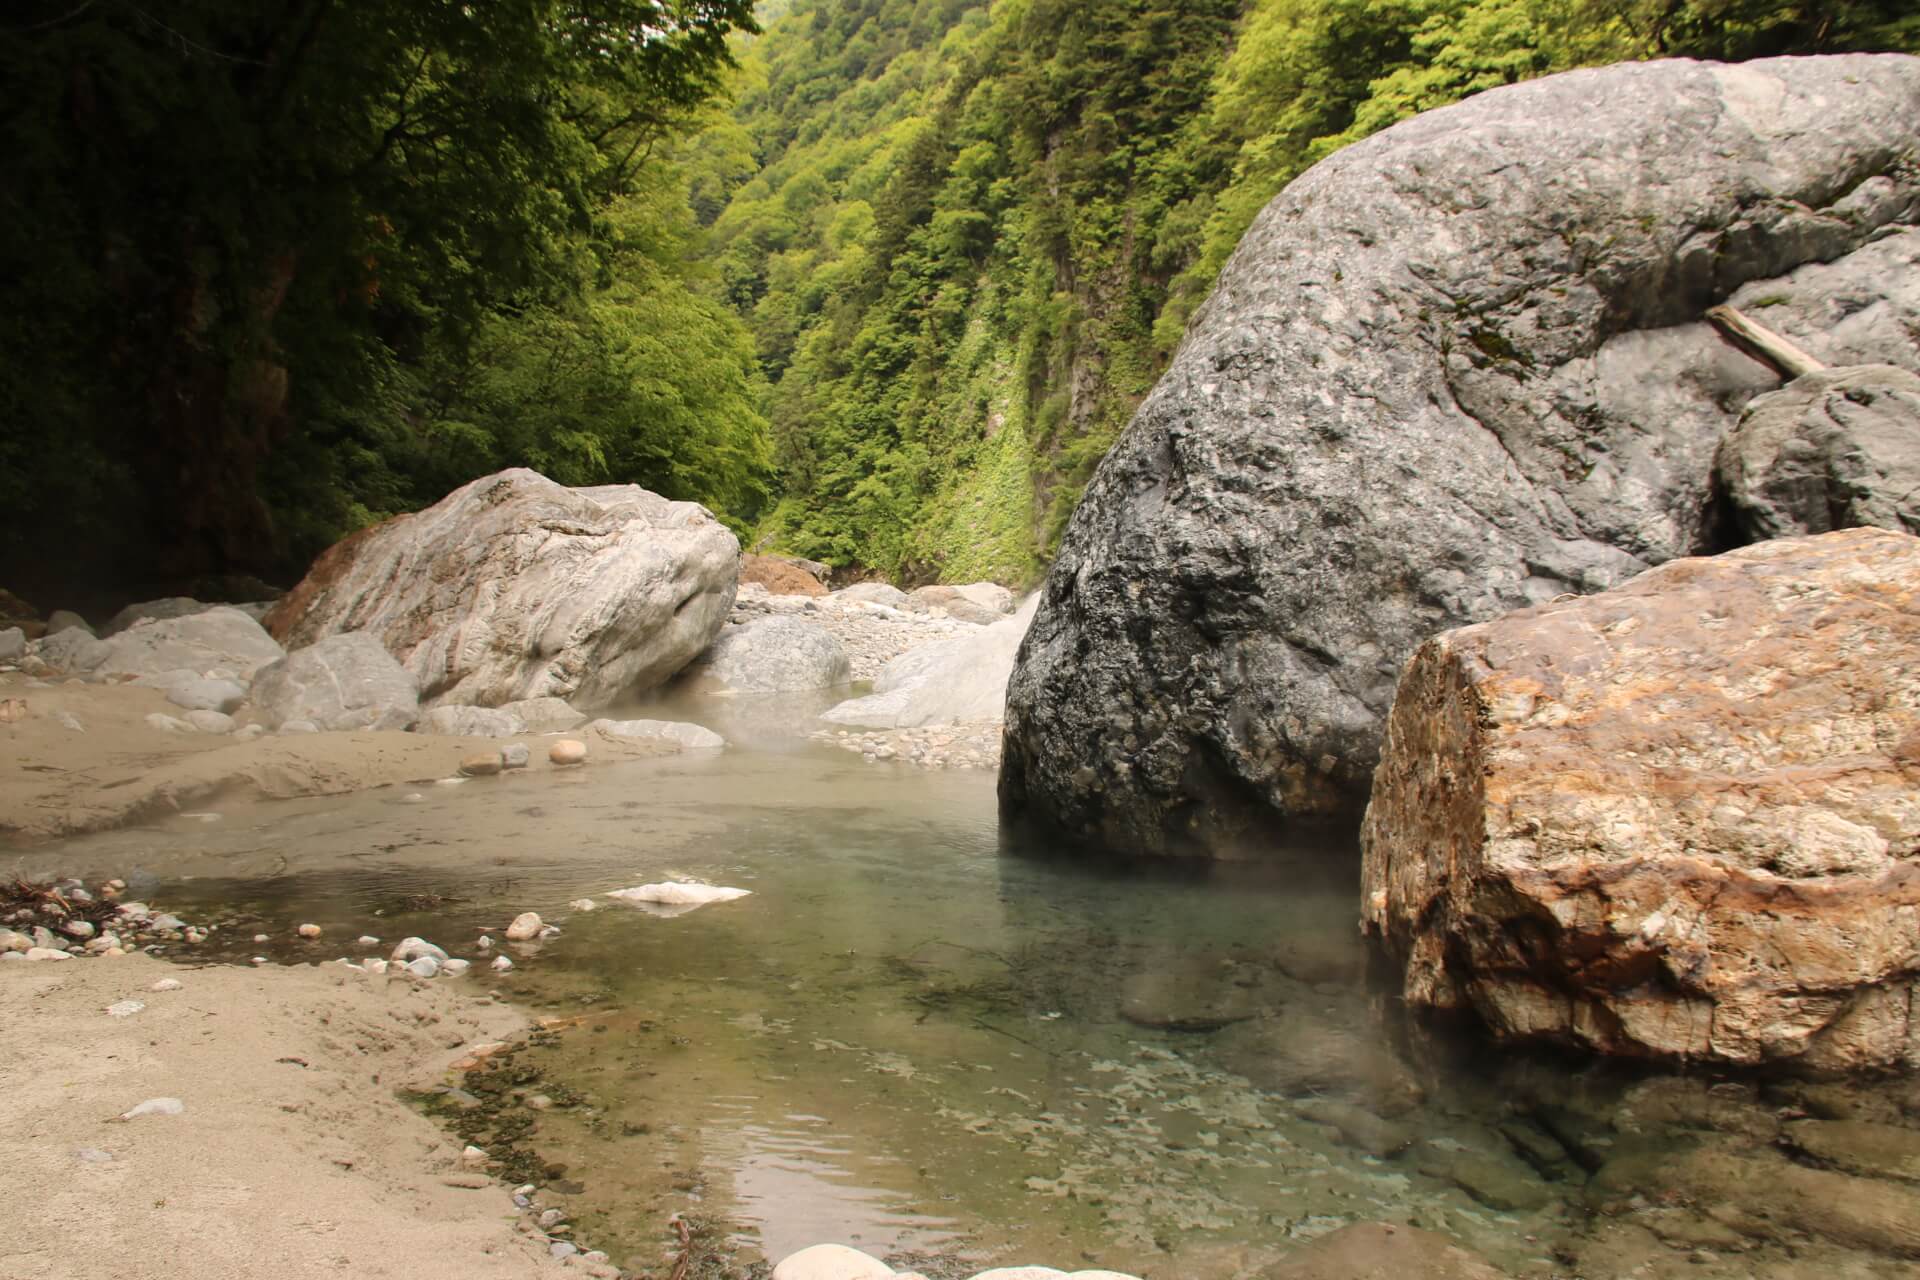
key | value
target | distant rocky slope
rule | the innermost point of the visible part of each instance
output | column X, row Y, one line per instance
column 1454, row 370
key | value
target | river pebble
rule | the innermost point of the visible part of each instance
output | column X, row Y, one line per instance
column 525, row 927
column 414, row 948
column 156, row 1107
column 455, row 968
column 423, row 967
column 483, row 764
column 167, row 984
column 308, row 931
column 515, row 755
column 567, row 751
column 125, row 1008
column 501, row 964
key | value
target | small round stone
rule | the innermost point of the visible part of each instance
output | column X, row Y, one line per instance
column 309, row 930
column 567, row 751
column 482, row 765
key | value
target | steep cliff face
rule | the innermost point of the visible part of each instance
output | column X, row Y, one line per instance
column 1454, row 370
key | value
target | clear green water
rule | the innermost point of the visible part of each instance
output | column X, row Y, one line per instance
column 919, row 1035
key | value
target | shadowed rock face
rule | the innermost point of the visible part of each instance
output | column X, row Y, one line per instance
column 1455, row 370
column 1679, row 820
column 514, row 587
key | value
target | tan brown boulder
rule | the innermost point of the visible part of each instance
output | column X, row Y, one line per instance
column 1678, row 820
column 514, row 587
column 780, row 575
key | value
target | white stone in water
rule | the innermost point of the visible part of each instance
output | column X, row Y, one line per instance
column 515, row 755
column 125, row 1008
column 473, row 1157
column 261, row 937
column 167, row 984
column 77, row 929
column 423, row 967
column 375, row 967
column 551, row 1217
column 449, row 782
column 309, row 931
column 485, row 943
column 676, row 893
column 501, row 964
column 583, row 904
column 414, row 948
column 455, row 968
column 563, row 1249
column 525, row 927
column 367, row 940
column 258, row 960
column 412, row 797
column 831, row 1262
column 156, row 1107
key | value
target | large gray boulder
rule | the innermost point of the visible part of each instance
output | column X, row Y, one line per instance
column 954, row 681
column 772, row 655
column 1453, row 370
column 341, row 682
column 1835, row 449
column 216, row 638
column 155, row 610
column 515, row 587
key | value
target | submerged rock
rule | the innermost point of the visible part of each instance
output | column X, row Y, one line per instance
column 1671, row 821
column 1453, row 370
column 687, row 737
column 515, row 587
column 1380, row 1251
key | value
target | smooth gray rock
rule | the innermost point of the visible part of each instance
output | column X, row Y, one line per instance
column 210, row 721
column 946, row 682
column 984, row 603
column 72, row 650
column 544, row 715
column 13, row 644
column 772, row 655
column 471, row 722
column 215, row 637
column 1453, row 370
column 65, row 620
column 871, row 593
column 687, row 737
column 162, row 609
column 342, row 682
column 515, row 587
column 195, row 692
column 515, row 755
column 1836, row 449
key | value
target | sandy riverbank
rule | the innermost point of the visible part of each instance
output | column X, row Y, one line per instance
column 116, row 768
column 293, row 1157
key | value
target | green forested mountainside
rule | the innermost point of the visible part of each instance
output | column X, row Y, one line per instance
column 881, row 293
column 279, row 267
column 977, row 230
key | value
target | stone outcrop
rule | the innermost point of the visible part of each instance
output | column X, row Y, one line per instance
column 213, row 639
column 772, row 655
column 783, row 575
column 515, row 587
column 984, row 603
column 342, row 682
column 1679, row 820
column 1836, row 449
column 947, row 682
column 1453, row 370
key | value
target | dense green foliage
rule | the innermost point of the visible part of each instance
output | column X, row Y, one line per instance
column 978, row 230
column 285, row 265
column 278, row 268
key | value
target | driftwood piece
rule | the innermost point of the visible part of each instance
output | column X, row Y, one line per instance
column 1757, row 340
